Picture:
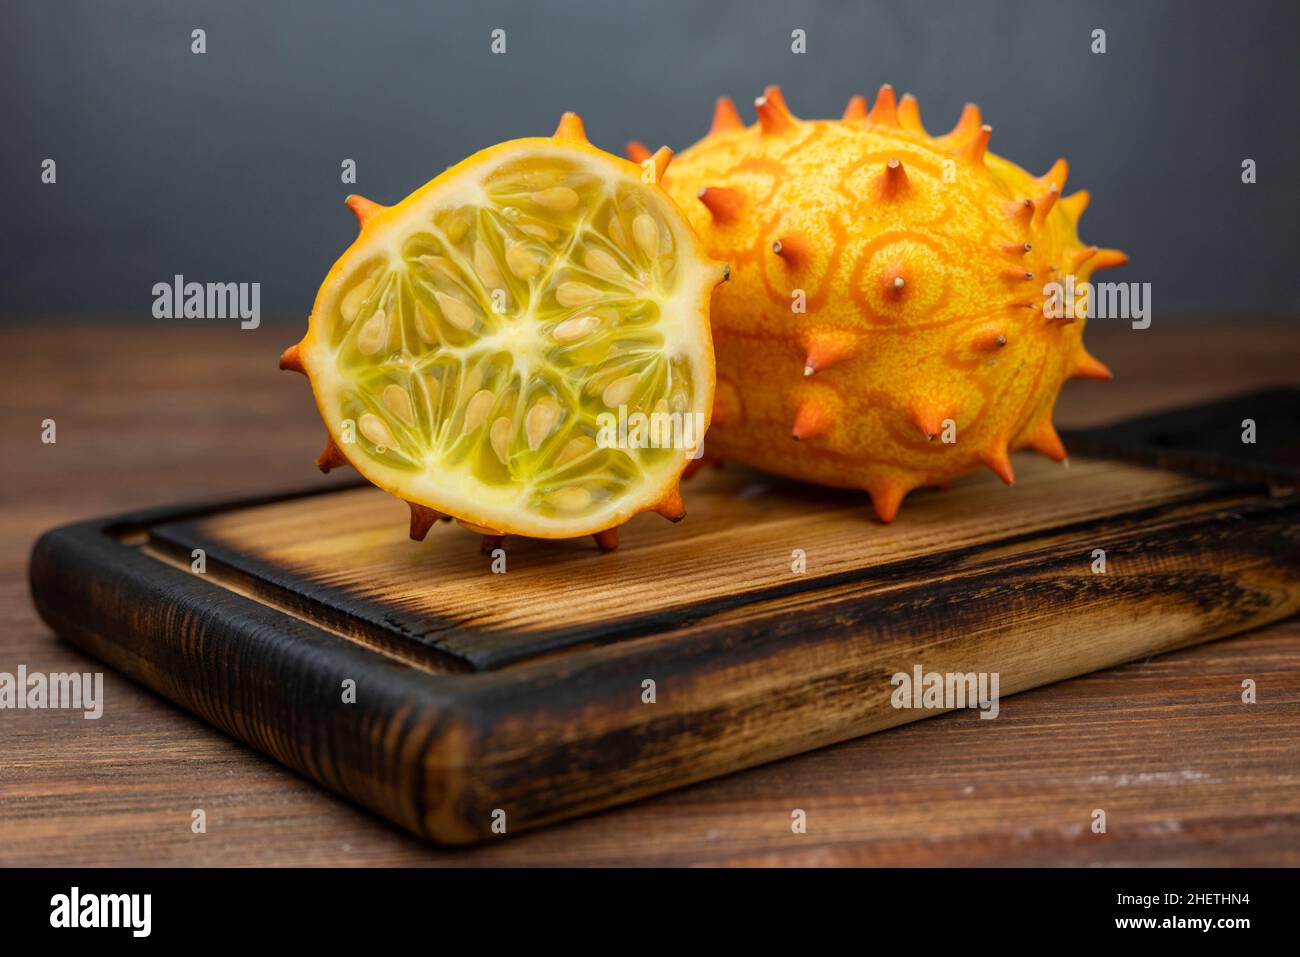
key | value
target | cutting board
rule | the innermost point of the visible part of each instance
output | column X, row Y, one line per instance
column 466, row 697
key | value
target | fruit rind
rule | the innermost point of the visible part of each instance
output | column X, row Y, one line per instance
column 383, row 233
column 887, row 289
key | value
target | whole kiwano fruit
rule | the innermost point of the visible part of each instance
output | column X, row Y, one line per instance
column 466, row 348
column 886, row 307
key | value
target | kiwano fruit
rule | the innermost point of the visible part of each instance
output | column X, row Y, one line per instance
column 886, row 307
column 465, row 347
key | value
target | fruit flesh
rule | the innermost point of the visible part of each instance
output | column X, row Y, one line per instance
column 464, row 348
column 887, row 294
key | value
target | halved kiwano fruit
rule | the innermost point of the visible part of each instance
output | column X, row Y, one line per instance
column 478, row 347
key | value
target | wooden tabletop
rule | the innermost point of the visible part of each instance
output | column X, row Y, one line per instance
column 167, row 412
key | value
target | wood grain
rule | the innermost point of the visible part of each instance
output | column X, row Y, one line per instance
column 351, row 550
column 751, row 660
column 1196, row 777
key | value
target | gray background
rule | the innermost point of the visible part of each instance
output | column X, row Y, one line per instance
column 225, row 167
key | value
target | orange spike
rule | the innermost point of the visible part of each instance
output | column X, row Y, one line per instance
column 1076, row 203
column 885, row 499
column 928, row 418
column 671, row 505
column 826, row 348
column 1015, row 274
column 1109, row 259
column 773, row 115
column 1021, row 212
column 1082, row 256
column 1086, row 367
column 990, row 340
column 725, row 117
column 975, row 148
column 291, row 361
column 363, row 209
column 607, row 540
column 792, row 249
column 662, row 157
column 1016, row 250
column 637, row 151
column 893, row 182
column 1056, row 175
column 1000, row 463
column 331, row 458
column 856, row 110
column 909, row 114
column 725, row 204
column 422, row 519
column 885, row 112
column 810, row 421
column 967, row 126
column 570, row 128
column 1045, row 203
column 490, row 543
column 894, row 283
column 1044, row 439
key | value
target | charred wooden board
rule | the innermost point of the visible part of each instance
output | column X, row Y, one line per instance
column 770, row 622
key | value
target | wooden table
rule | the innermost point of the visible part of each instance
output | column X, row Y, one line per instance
column 164, row 412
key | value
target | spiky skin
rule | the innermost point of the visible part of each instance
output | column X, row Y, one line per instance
column 923, row 295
